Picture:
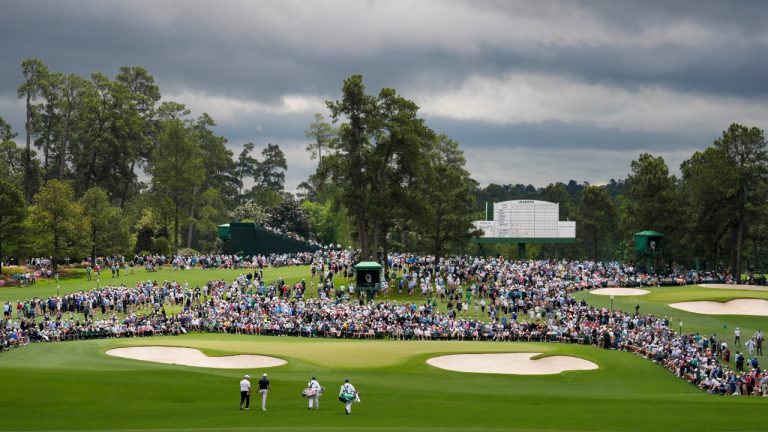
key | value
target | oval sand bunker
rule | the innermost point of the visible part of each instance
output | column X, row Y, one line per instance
column 619, row 291
column 734, row 307
column 193, row 357
column 510, row 363
column 736, row 287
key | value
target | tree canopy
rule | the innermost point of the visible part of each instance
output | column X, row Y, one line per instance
column 130, row 171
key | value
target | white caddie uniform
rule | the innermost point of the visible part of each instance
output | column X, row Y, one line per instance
column 348, row 388
column 314, row 401
column 245, row 393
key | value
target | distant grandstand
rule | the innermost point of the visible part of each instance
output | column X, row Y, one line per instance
column 254, row 239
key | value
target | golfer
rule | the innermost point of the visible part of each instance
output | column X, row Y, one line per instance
column 314, row 389
column 245, row 393
column 348, row 394
column 264, row 388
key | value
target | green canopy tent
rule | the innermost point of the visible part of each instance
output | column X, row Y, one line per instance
column 368, row 277
column 649, row 244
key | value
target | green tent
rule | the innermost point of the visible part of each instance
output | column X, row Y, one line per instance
column 648, row 242
column 368, row 276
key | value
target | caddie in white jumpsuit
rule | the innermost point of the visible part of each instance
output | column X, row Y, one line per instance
column 350, row 389
column 314, row 401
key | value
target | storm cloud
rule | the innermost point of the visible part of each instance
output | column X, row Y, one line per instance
column 535, row 92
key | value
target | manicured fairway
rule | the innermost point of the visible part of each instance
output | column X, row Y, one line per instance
column 74, row 385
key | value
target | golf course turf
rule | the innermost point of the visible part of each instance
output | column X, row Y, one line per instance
column 76, row 386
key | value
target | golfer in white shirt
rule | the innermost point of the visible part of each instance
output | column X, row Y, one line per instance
column 245, row 393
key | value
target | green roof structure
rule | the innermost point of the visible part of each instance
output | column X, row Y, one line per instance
column 368, row 265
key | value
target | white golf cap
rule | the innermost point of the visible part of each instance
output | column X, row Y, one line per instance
column 247, row 377
column 264, row 375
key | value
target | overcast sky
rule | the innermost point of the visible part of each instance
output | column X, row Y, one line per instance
column 535, row 92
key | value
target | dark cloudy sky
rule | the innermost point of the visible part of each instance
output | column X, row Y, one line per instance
column 535, row 91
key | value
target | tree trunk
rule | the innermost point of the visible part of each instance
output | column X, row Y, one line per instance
column 595, row 247
column 91, row 170
column 717, row 247
column 191, row 228
column 47, row 141
column 717, row 257
column 175, row 229
column 375, row 240
column 63, row 152
column 738, row 237
column 54, row 258
column 438, row 237
column 94, row 154
column 93, row 254
column 124, row 196
column 362, row 238
column 28, row 153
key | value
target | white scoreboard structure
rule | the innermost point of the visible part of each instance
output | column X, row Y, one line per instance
column 525, row 221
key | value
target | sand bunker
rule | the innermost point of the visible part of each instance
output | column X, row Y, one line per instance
column 619, row 291
column 510, row 363
column 733, row 307
column 193, row 357
column 736, row 287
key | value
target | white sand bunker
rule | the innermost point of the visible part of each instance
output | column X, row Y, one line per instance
column 619, row 291
column 510, row 363
column 193, row 357
column 736, row 287
column 734, row 307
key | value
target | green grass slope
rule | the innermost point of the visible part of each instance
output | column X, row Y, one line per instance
column 44, row 288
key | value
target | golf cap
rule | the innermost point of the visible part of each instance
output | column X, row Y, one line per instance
column 265, row 375
column 247, row 377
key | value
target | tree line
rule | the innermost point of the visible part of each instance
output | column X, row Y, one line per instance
column 713, row 216
column 108, row 157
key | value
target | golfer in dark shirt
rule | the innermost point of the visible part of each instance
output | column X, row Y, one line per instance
column 264, row 388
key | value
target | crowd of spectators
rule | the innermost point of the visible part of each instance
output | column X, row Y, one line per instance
column 479, row 299
column 219, row 261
